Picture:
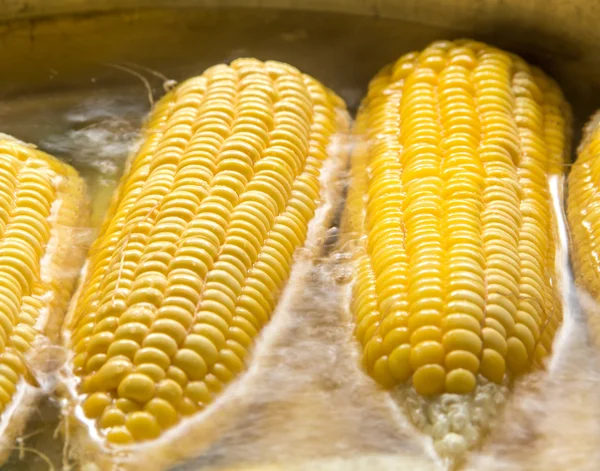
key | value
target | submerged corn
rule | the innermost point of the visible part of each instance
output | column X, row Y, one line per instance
column 41, row 205
column 584, row 217
column 449, row 205
column 198, row 244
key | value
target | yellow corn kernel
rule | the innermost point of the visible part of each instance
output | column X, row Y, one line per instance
column 582, row 213
column 42, row 205
column 451, row 209
column 198, row 243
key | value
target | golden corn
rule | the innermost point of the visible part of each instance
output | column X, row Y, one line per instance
column 450, row 203
column 198, row 244
column 42, row 203
column 582, row 213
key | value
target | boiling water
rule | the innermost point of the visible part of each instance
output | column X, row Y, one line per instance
column 80, row 87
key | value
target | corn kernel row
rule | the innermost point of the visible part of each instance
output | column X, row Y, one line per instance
column 198, row 244
column 42, row 203
column 583, row 203
column 453, row 217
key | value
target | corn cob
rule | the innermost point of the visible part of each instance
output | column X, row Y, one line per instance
column 582, row 213
column 42, row 204
column 455, row 290
column 198, row 244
